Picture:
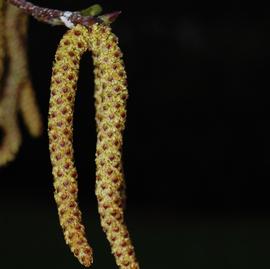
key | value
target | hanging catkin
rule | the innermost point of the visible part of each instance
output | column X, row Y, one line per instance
column 111, row 95
column 27, row 100
column 8, row 106
column 2, row 38
column 63, row 89
column 99, row 97
column 29, row 109
column 17, row 94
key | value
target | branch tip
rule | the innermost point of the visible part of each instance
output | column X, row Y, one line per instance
column 84, row 17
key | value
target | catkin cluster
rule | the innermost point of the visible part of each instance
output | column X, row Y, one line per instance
column 110, row 102
column 16, row 90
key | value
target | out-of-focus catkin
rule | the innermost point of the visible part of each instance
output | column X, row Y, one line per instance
column 8, row 106
column 2, row 38
column 27, row 99
column 17, row 93
column 110, row 100
column 29, row 109
column 63, row 88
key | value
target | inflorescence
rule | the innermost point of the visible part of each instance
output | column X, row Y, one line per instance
column 88, row 32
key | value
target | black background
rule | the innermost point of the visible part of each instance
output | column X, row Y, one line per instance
column 197, row 142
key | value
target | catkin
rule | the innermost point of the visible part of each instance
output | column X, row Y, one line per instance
column 63, row 88
column 99, row 97
column 27, row 100
column 29, row 109
column 2, row 38
column 110, row 99
column 8, row 106
column 17, row 91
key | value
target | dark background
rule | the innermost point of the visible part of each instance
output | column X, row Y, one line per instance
column 197, row 142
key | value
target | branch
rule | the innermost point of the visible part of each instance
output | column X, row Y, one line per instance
column 69, row 18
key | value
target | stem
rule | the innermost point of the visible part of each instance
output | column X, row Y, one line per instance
column 59, row 17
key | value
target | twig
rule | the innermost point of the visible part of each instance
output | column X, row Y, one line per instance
column 59, row 17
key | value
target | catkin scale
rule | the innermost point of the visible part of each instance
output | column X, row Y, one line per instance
column 63, row 89
column 110, row 100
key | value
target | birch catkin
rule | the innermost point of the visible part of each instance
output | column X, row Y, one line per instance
column 63, row 89
column 99, row 97
column 29, row 109
column 110, row 100
column 8, row 105
column 2, row 48
column 111, row 94
column 17, row 88
column 27, row 99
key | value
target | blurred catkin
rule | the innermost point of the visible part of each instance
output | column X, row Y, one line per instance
column 2, row 42
column 8, row 106
column 27, row 99
column 29, row 109
column 63, row 89
column 17, row 93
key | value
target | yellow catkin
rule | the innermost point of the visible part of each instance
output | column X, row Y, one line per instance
column 99, row 116
column 27, row 100
column 29, row 109
column 8, row 106
column 111, row 95
column 17, row 90
column 63, row 88
column 2, row 42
